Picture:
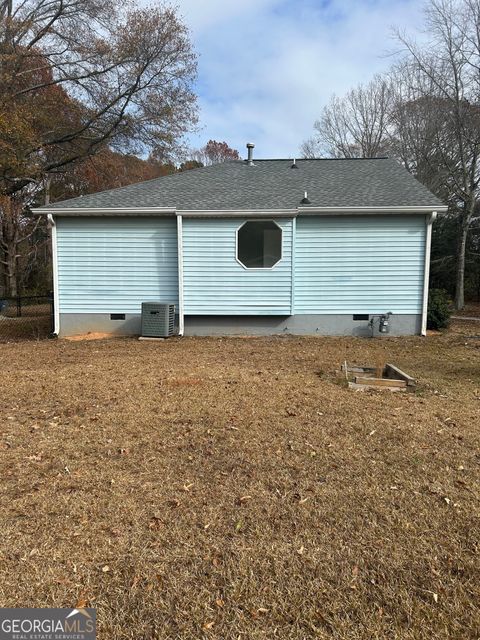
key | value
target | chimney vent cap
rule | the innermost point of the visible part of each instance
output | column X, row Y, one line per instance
column 250, row 147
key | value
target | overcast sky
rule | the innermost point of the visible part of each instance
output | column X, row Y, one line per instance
column 266, row 67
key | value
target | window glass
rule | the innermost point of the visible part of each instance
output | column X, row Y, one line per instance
column 259, row 244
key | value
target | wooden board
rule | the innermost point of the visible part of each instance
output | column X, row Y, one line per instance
column 398, row 373
column 380, row 382
column 356, row 369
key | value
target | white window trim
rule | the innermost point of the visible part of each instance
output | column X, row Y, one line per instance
column 258, row 268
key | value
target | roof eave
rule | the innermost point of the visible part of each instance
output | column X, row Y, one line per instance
column 231, row 213
column 103, row 211
column 421, row 209
column 234, row 213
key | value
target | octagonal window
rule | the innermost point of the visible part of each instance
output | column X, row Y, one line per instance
column 259, row 244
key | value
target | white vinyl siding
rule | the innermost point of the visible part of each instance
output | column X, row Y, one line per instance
column 359, row 264
column 112, row 265
column 215, row 283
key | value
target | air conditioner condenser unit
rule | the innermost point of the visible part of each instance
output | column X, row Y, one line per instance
column 158, row 319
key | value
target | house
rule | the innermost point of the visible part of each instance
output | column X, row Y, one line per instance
column 249, row 247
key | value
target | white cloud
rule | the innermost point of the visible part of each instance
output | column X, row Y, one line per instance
column 266, row 67
column 209, row 14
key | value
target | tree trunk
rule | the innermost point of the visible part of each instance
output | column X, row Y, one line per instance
column 465, row 222
column 460, row 275
column 11, row 288
column 9, row 238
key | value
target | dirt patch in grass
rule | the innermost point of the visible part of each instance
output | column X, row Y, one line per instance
column 224, row 488
column 472, row 309
column 93, row 335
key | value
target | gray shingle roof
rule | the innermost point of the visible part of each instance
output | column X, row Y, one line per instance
column 270, row 184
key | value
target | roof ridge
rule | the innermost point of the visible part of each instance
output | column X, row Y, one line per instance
column 316, row 159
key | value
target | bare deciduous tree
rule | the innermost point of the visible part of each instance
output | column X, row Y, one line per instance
column 449, row 65
column 418, row 129
column 77, row 76
column 310, row 149
column 355, row 125
column 425, row 112
column 213, row 152
column 12, row 233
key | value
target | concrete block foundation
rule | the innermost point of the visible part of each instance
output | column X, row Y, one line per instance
column 72, row 324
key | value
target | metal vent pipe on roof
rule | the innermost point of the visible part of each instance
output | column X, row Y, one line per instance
column 250, row 148
column 305, row 199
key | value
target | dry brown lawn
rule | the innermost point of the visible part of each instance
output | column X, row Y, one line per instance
column 234, row 488
column 471, row 309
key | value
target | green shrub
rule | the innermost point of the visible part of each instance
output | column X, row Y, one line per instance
column 439, row 309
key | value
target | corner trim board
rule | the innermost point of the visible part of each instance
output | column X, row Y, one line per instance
column 292, row 267
column 426, row 274
column 56, row 307
column 181, row 316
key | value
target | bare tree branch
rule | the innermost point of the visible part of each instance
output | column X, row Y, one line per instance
column 76, row 76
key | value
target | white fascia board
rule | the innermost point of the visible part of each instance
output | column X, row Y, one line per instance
column 347, row 211
column 77, row 211
column 237, row 213
column 243, row 213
